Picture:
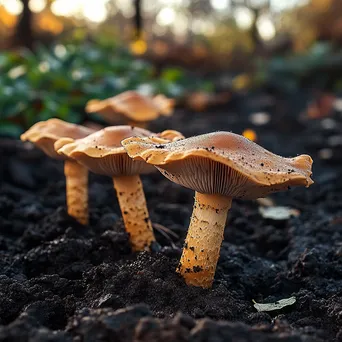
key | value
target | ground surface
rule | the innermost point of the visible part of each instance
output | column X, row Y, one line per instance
column 60, row 281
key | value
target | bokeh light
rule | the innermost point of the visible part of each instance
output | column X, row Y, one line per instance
column 126, row 8
column 65, row 7
column 37, row 6
column 266, row 27
column 14, row 7
column 221, row 26
column 220, row 5
column 95, row 11
column 250, row 134
column 181, row 23
column 243, row 17
column 138, row 47
column 166, row 16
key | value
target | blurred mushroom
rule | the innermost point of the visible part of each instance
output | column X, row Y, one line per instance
column 168, row 135
column 200, row 101
column 44, row 134
column 321, row 107
column 135, row 109
column 102, row 153
column 219, row 167
column 164, row 104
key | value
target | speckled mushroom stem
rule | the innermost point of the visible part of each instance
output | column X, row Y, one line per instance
column 134, row 211
column 76, row 177
column 203, row 242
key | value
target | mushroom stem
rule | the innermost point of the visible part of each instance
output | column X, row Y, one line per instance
column 203, row 242
column 134, row 211
column 76, row 177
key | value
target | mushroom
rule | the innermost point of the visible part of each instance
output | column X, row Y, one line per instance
column 136, row 109
column 102, row 153
column 200, row 101
column 219, row 167
column 44, row 134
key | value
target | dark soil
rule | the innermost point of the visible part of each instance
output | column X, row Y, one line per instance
column 60, row 281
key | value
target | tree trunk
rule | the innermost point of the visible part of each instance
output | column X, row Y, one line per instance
column 254, row 33
column 24, row 33
column 137, row 19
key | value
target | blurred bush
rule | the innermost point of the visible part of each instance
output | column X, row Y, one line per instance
column 58, row 81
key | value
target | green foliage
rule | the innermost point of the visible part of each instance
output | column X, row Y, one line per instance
column 58, row 82
column 320, row 67
column 9, row 129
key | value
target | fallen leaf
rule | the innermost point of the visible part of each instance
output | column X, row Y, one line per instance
column 278, row 213
column 276, row 305
column 260, row 119
column 266, row 202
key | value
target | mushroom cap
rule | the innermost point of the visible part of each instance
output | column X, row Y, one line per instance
column 44, row 134
column 222, row 163
column 102, row 153
column 164, row 104
column 167, row 136
column 132, row 105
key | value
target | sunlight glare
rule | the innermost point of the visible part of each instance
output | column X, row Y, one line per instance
column 126, row 7
column 37, row 6
column 219, row 5
column 171, row 2
column 91, row 10
column 278, row 5
column 266, row 28
column 66, row 7
column 14, row 7
column 166, row 16
column 95, row 11
column 243, row 17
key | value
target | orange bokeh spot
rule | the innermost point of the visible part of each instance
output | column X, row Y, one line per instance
column 160, row 48
column 250, row 134
column 49, row 23
column 6, row 18
column 138, row 47
column 241, row 82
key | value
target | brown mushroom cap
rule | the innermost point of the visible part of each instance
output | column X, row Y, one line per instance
column 102, row 153
column 44, row 134
column 171, row 135
column 222, row 163
column 164, row 104
column 132, row 105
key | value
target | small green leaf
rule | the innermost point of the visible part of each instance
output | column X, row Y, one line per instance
column 172, row 74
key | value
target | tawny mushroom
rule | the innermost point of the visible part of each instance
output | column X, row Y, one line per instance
column 44, row 134
column 136, row 109
column 102, row 153
column 219, row 167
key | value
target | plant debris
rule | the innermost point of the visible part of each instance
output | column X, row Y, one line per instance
column 278, row 213
column 279, row 304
